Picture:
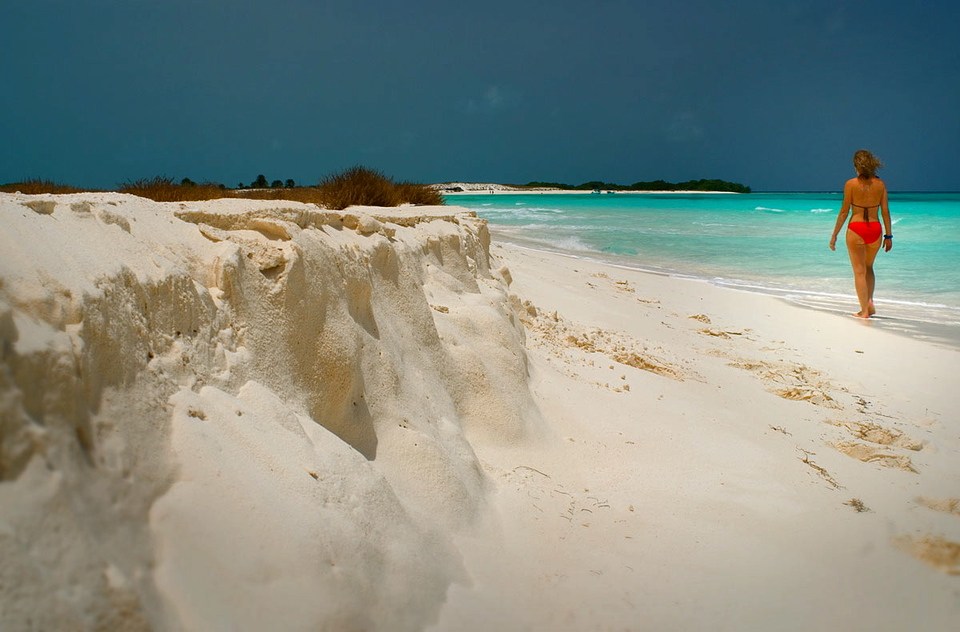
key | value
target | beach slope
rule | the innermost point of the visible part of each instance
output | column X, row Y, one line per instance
column 716, row 460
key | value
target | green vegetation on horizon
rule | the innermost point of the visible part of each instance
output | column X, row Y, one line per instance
column 653, row 185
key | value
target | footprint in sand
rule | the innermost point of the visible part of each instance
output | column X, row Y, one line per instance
column 880, row 435
column 550, row 497
column 870, row 454
column 936, row 551
column 946, row 505
column 552, row 331
column 873, row 433
column 725, row 334
column 791, row 381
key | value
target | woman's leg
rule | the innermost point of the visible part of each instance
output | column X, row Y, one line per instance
column 858, row 260
column 871, row 255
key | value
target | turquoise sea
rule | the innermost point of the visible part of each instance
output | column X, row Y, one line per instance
column 773, row 243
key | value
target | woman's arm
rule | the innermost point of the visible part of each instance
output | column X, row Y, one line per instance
column 887, row 225
column 842, row 215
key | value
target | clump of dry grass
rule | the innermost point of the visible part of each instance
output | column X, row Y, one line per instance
column 358, row 186
column 363, row 186
column 164, row 189
column 421, row 195
column 34, row 186
column 308, row 195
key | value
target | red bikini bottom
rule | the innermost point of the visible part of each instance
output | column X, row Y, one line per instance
column 869, row 231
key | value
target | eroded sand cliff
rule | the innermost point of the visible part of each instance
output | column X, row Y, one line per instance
column 244, row 411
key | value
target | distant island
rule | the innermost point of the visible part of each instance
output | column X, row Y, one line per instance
column 703, row 185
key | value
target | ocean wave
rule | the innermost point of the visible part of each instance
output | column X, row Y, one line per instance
column 767, row 209
column 510, row 210
column 569, row 243
column 597, row 228
column 534, row 226
column 821, row 210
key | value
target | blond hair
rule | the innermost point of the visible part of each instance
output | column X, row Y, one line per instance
column 866, row 164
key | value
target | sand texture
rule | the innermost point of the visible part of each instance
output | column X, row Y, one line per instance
column 243, row 415
column 250, row 415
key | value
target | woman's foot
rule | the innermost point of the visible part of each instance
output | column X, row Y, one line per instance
column 871, row 310
column 861, row 315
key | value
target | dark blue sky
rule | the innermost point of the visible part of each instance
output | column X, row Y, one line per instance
column 776, row 95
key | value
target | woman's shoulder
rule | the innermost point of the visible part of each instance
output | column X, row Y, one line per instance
column 861, row 182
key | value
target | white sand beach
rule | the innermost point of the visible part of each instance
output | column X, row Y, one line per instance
column 717, row 460
column 256, row 415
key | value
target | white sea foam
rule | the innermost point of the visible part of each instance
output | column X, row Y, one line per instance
column 567, row 243
column 520, row 212
column 541, row 239
column 534, row 226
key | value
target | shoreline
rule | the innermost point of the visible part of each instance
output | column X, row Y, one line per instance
column 569, row 192
column 894, row 320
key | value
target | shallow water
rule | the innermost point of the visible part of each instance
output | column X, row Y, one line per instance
column 774, row 243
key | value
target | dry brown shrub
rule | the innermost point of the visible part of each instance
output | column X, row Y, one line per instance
column 164, row 189
column 361, row 186
column 34, row 186
column 412, row 193
column 358, row 186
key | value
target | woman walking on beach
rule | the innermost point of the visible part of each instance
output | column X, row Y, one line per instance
column 867, row 194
